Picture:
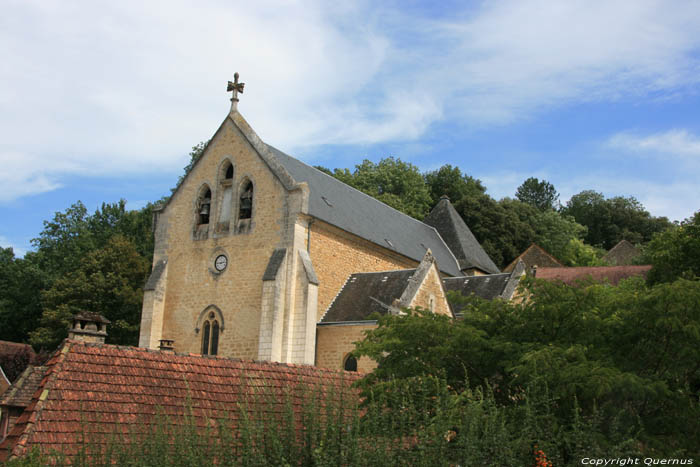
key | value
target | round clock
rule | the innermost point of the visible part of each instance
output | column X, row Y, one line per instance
column 221, row 262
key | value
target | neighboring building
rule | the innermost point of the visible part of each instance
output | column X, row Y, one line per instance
column 17, row 398
column 606, row 274
column 90, row 388
column 254, row 245
column 624, row 253
column 4, row 382
column 534, row 257
column 491, row 287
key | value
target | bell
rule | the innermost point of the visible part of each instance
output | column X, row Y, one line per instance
column 246, row 203
column 205, row 210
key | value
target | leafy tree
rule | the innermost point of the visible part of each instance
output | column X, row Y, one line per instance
column 392, row 181
column 627, row 355
column 108, row 281
column 614, row 219
column 555, row 232
column 675, row 252
column 20, row 308
column 540, row 194
column 577, row 253
column 450, row 181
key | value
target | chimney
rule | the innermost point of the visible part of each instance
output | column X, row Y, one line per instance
column 166, row 345
column 89, row 327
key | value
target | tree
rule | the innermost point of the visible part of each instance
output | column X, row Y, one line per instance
column 540, row 194
column 627, row 355
column 392, row 181
column 108, row 281
column 555, row 232
column 450, row 181
column 675, row 252
column 20, row 308
column 577, row 253
column 610, row 220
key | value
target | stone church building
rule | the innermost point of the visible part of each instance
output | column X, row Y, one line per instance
column 260, row 256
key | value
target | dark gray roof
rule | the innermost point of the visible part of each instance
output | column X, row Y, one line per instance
column 459, row 238
column 367, row 293
column 338, row 204
column 487, row 287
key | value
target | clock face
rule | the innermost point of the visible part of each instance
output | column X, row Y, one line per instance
column 221, row 262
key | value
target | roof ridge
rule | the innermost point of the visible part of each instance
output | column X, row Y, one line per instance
column 350, row 186
column 330, row 305
column 25, row 424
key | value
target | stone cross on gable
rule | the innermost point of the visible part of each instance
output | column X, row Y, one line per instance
column 236, row 87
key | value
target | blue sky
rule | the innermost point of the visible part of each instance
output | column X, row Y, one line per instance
column 103, row 100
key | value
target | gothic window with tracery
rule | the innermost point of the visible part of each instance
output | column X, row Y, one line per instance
column 210, row 335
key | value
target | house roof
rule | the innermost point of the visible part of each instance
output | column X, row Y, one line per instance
column 488, row 287
column 621, row 254
column 341, row 205
column 466, row 248
column 610, row 274
column 366, row 293
column 21, row 392
column 534, row 255
column 91, row 388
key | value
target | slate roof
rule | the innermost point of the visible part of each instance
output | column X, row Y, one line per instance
column 534, row 255
column 91, row 388
column 488, row 287
column 622, row 254
column 340, row 205
column 21, row 392
column 366, row 293
column 610, row 274
column 459, row 238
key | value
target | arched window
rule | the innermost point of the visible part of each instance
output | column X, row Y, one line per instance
column 210, row 335
column 245, row 210
column 204, row 206
column 350, row 363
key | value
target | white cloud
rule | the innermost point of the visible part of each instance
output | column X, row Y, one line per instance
column 126, row 87
column 673, row 143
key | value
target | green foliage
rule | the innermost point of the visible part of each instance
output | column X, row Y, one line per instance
column 614, row 219
column 108, row 281
column 20, row 278
column 540, row 194
column 392, row 181
column 626, row 356
column 675, row 252
column 577, row 253
column 450, row 181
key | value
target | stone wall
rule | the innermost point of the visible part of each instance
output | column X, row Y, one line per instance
column 336, row 254
column 334, row 342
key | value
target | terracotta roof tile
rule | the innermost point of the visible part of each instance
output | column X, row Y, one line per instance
column 103, row 388
column 611, row 274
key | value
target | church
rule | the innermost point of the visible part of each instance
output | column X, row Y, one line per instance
column 261, row 256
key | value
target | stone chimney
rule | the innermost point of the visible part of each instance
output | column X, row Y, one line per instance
column 167, row 345
column 89, row 327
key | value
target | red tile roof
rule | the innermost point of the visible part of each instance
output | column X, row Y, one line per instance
column 611, row 274
column 21, row 392
column 102, row 388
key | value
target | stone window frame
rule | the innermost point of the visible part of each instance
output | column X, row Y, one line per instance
column 201, row 229
column 245, row 225
column 222, row 184
column 209, row 317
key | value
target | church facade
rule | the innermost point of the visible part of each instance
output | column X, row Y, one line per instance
column 254, row 247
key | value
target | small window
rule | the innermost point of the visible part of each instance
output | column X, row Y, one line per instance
column 229, row 172
column 210, row 336
column 350, row 363
column 246, row 206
